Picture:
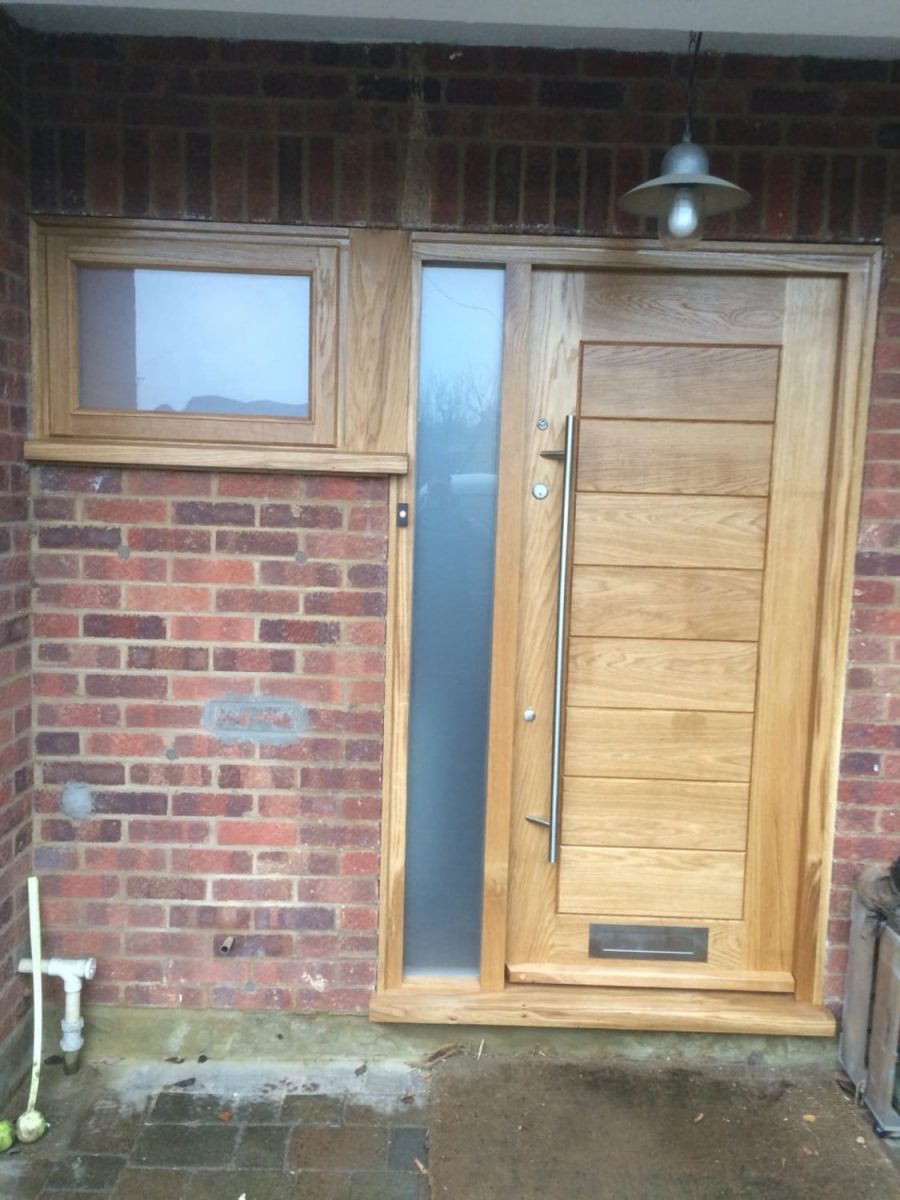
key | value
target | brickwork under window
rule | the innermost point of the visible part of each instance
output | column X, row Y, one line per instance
column 165, row 601
column 221, row 837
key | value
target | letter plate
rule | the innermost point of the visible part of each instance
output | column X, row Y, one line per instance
column 677, row 943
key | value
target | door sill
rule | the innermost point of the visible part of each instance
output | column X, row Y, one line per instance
column 673, row 1010
column 649, row 975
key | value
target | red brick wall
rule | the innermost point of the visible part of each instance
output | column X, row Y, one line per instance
column 15, row 771
column 158, row 595
column 453, row 138
column 445, row 137
column 868, row 819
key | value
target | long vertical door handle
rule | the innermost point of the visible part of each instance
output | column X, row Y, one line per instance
column 556, row 765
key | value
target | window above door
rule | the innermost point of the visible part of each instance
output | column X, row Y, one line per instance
column 217, row 346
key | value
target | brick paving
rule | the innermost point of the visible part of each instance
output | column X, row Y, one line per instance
column 346, row 1138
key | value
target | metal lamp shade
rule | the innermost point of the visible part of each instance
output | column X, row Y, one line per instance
column 685, row 165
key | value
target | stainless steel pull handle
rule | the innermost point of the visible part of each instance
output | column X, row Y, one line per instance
column 556, row 765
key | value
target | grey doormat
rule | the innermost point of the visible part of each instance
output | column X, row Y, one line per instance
column 535, row 1129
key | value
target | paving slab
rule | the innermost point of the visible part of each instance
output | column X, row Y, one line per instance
column 322, row 1185
column 253, row 1185
column 106, row 1127
column 385, row 1185
column 313, row 1110
column 337, row 1147
column 151, row 1183
column 85, row 1173
column 407, row 1146
column 261, row 1146
column 21, row 1179
column 185, row 1145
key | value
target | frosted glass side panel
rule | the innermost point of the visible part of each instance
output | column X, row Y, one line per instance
column 198, row 342
column 461, row 341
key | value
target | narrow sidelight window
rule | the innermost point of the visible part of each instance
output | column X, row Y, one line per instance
column 461, row 338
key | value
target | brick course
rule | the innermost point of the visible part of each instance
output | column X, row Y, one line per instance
column 15, row 653
column 154, row 588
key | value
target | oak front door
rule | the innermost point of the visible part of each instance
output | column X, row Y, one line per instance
column 665, row 681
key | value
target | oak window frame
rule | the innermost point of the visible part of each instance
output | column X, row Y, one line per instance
column 63, row 431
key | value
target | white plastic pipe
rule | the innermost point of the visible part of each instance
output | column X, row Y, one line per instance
column 73, row 972
column 34, row 926
column 31, row 1124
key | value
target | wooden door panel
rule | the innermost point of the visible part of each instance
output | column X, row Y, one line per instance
column 702, row 383
column 658, row 673
column 670, row 531
column 667, row 813
column 646, row 744
column 648, row 882
column 665, row 602
column 669, row 307
column 704, row 424
column 675, row 457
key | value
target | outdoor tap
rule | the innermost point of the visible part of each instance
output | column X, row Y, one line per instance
column 73, row 972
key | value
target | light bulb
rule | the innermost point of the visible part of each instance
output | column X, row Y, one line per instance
column 681, row 225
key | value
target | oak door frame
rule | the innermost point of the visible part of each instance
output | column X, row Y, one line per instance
column 859, row 268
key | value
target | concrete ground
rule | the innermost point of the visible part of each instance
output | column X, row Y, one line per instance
column 539, row 1129
column 322, row 1109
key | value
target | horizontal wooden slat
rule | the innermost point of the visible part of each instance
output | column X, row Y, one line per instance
column 668, row 813
column 670, row 531
column 699, row 383
column 631, row 601
column 550, row 1006
column 642, row 744
column 685, row 307
column 660, row 673
column 665, row 602
column 678, row 457
column 646, row 974
column 660, row 883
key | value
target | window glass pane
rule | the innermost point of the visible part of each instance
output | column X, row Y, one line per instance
column 197, row 342
column 453, row 583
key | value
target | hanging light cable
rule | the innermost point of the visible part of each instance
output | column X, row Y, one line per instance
column 685, row 194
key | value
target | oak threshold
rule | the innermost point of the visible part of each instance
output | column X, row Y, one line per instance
column 650, row 1010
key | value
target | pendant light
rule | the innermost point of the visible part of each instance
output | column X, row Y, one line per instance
column 685, row 194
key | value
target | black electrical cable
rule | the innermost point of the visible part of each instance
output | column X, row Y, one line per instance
column 693, row 53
